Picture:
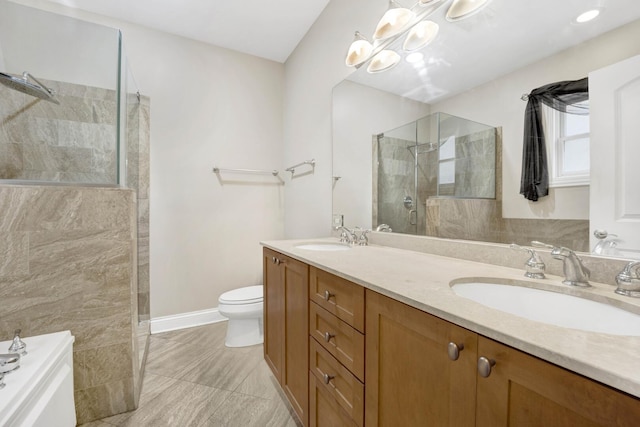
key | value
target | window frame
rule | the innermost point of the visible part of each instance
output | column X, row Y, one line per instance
column 555, row 144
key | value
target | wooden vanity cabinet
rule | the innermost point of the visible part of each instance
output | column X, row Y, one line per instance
column 411, row 368
column 286, row 326
column 410, row 379
column 522, row 390
column 336, row 351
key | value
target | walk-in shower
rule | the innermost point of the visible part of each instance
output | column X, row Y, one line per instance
column 22, row 84
column 439, row 155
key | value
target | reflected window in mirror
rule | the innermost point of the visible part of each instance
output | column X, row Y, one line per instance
column 567, row 147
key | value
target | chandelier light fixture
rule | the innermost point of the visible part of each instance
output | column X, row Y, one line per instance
column 410, row 24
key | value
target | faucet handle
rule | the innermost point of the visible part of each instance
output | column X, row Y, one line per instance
column 628, row 280
column 363, row 240
column 535, row 266
column 17, row 345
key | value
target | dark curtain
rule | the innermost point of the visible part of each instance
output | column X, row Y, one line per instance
column 561, row 96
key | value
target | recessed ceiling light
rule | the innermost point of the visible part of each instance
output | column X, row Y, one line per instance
column 414, row 57
column 588, row 16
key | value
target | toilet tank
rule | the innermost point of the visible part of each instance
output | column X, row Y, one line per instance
column 40, row 392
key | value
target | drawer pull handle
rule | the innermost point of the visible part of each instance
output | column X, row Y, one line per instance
column 328, row 295
column 484, row 366
column 327, row 378
column 454, row 350
column 328, row 336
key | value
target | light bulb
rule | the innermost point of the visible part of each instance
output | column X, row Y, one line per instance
column 420, row 35
column 461, row 9
column 394, row 20
column 359, row 51
column 385, row 60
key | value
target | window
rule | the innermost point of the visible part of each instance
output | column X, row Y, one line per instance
column 447, row 161
column 567, row 137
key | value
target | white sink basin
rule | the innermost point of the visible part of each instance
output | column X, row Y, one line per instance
column 552, row 308
column 324, row 246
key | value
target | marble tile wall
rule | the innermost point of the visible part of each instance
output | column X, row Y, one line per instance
column 475, row 165
column 395, row 178
column 71, row 142
column 68, row 263
column 481, row 220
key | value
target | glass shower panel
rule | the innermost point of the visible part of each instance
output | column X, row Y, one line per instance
column 396, row 189
column 71, row 140
column 467, row 158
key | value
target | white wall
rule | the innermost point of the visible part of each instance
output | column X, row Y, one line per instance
column 312, row 70
column 498, row 103
column 209, row 106
column 359, row 112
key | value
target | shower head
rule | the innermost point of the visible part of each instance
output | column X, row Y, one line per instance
column 22, row 84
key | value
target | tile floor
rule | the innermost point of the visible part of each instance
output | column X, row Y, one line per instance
column 192, row 379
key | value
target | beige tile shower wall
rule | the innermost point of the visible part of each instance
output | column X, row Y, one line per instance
column 67, row 263
column 481, row 220
column 71, row 142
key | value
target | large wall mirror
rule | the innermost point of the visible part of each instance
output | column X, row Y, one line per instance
column 478, row 70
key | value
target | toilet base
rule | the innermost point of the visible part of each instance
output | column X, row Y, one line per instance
column 244, row 332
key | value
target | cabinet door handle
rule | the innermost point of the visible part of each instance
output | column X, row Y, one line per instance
column 327, row 378
column 278, row 261
column 454, row 350
column 484, row 366
column 328, row 295
column 328, row 336
column 274, row 259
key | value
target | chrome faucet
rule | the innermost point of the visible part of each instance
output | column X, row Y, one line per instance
column 628, row 280
column 17, row 345
column 347, row 236
column 534, row 265
column 9, row 362
column 363, row 240
column 575, row 273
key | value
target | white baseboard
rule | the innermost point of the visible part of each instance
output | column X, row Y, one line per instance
column 186, row 320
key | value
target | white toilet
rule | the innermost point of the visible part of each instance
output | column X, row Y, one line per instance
column 244, row 308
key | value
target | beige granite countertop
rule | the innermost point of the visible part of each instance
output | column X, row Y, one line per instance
column 423, row 281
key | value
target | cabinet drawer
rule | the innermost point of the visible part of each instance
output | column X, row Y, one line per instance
column 338, row 296
column 341, row 384
column 324, row 410
column 341, row 340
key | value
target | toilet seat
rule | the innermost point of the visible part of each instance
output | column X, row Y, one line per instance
column 241, row 296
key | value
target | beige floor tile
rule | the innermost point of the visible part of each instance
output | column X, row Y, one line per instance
column 172, row 359
column 225, row 369
column 185, row 404
column 260, row 383
column 248, row 411
column 208, row 336
column 152, row 386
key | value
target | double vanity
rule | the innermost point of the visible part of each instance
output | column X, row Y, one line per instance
column 374, row 335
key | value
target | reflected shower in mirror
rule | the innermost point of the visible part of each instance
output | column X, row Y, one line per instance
column 439, row 155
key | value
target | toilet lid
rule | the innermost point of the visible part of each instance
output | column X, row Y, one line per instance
column 247, row 295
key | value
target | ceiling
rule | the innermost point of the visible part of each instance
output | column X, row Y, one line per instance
column 503, row 37
column 269, row 30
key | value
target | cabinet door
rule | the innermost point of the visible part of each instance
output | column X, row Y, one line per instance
column 410, row 380
column 295, row 383
column 522, row 390
column 324, row 409
column 273, row 313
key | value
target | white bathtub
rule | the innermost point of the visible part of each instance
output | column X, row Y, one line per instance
column 40, row 392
